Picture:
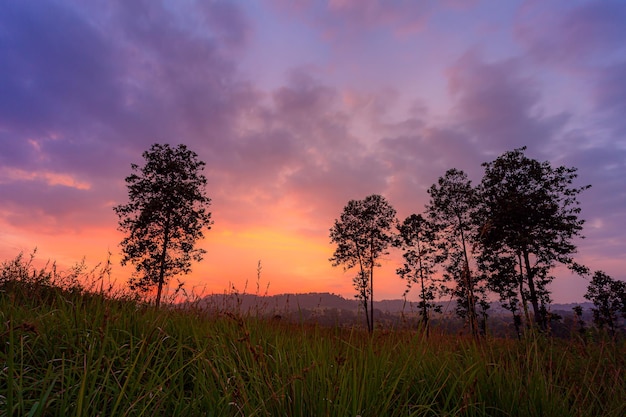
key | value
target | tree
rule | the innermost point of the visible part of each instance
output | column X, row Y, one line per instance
column 528, row 213
column 452, row 203
column 165, row 216
column 578, row 314
column 418, row 240
column 609, row 298
column 362, row 234
column 499, row 270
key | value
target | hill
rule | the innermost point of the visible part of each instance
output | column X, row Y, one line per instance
column 293, row 302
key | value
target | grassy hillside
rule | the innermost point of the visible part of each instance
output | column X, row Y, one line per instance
column 68, row 352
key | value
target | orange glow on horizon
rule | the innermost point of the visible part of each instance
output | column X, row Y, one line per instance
column 290, row 262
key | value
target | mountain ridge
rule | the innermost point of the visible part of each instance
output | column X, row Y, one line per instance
column 290, row 302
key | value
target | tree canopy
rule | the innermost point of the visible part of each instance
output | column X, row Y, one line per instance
column 528, row 213
column 362, row 234
column 165, row 216
column 609, row 298
column 453, row 201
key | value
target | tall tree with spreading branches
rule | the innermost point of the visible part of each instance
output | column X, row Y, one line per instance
column 362, row 235
column 165, row 216
column 452, row 203
column 528, row 213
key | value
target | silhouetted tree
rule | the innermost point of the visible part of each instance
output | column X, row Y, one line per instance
column 362, row 234
column 498, row 269
column 452, row 203
column 578, row 315
column 418, row 240
column 528, row 213
column 165, row 216
column 609, row 298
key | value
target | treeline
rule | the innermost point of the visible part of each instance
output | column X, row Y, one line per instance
column 503, row 236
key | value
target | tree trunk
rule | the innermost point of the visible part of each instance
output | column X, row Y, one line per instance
column 367, row 316
column 424, row 307
column 471, row 308
column 362, row 276
column 166, row 239
column 517, row 320
column 521, row 290
column 533, row 293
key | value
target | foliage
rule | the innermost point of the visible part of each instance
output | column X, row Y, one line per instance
column 165, row 216
column 453, row 201
column 528, row 216
column 417, row 238
column 578, row 314
column 498, row 269
column 609, row 297
column 77, row 279
column 362, row 234
column 82, row 354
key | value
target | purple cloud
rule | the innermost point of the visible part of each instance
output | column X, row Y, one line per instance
column 51, row 208
column 85, row 88
column 585, row 43
column 499, row 105
column 83, row 97
column 349, row 17
column 580, row 34
column 227, row 21
column 609, row 97
column 56, row 68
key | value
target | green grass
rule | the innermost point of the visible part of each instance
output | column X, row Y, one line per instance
column 68, row 352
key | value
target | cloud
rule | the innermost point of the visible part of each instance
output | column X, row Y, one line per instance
column 179, row 77
column 53, row 205
column 298, row 148
column 604, row 204
column 227, row 21
column 583, row 43
column 578, row 34
column 499, row 105
column 402, row 15
column 56, row 69
column 346, row 18
column 87, row 88
column 146, row 77
column 609, row 97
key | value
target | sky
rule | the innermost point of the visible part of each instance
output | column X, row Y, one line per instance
column 298, row 107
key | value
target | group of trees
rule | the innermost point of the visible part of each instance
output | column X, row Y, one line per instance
column 503, row 236
column 609, row 298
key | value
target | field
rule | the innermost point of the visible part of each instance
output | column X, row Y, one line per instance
column 71, row 352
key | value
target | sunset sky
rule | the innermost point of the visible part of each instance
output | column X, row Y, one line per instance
column 297, row 107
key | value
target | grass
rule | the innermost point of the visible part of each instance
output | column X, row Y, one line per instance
column 66, row 351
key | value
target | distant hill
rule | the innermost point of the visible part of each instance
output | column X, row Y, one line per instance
column 278, row 303
column 283, row 303
column 332, row 310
